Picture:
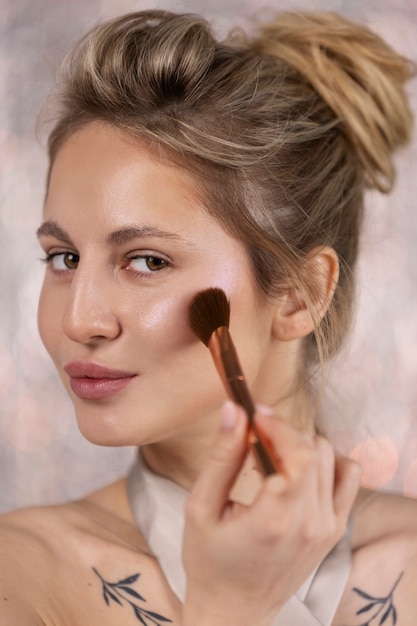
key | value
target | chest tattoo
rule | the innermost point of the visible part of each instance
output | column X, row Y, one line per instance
column 122, row 593
column 378, row 610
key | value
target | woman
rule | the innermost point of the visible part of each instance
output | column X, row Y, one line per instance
column 179, row 163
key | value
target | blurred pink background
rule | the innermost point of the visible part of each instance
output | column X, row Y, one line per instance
column 370, row 409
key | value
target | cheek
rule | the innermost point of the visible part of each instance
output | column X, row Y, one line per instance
column 250, row 327
column 162, row 321
column 48, row 318
column 163, row 315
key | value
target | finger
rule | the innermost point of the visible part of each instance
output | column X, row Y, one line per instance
column 210, row 493
column 289, row 498
column 348, row 476
column 326, row 474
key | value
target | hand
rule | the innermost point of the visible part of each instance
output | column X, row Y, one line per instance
column 244, row 563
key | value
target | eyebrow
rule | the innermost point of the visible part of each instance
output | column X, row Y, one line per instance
column 124, row 235
column 51, row 229
column 117, row 237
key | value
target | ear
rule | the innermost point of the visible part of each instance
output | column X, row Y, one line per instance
column 298, row 314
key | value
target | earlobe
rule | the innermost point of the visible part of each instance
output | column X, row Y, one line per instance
column 300, row 311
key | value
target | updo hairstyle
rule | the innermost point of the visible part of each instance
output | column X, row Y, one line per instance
column 284, row 130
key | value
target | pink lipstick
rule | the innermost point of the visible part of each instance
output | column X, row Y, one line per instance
column 92, row 381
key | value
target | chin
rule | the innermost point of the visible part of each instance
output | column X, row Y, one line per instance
column 103, row 431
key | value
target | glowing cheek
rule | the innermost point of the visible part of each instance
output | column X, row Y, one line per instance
column 165, row 321
column 226, row 276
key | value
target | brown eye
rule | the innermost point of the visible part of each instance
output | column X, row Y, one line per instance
column 63, row 261
column 147, row 264
column 154, row 263
column 71, row 260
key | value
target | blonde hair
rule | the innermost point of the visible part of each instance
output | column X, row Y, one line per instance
column 284, row 129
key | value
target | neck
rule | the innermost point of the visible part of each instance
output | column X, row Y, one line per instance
column 181, row 459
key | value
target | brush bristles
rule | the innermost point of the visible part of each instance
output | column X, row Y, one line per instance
column 209, row 310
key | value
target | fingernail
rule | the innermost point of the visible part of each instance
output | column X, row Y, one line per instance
column 229, row 416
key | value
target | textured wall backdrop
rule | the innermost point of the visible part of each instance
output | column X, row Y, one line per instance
column 371, row 405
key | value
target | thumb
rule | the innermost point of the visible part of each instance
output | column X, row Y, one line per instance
column 210, row 493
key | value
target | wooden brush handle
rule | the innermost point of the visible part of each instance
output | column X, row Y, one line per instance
column 227, row 363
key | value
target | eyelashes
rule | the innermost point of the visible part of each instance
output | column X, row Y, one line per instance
column 142, row 264
column 61, row 261
column 147, row 263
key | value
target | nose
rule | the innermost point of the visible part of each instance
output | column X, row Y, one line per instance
column 90, row 313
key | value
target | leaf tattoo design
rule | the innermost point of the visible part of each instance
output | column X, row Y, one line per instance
column 381, row 609
column 122, row 593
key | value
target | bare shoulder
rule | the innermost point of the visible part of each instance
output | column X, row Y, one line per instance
column 383, row 577
column 78, row 563
column 379, row 515
column 24, row 550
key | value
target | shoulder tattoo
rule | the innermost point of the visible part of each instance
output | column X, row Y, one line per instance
column 123, row 593
column 378, row 610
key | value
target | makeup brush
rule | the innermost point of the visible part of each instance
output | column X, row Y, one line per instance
column 209, row 318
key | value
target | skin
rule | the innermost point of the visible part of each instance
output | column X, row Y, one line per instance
column 109, row 313
column 101, row 302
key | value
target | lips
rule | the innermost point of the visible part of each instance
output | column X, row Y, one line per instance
column 92, row 381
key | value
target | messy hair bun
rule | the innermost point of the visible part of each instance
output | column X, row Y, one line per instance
column 284, row 129
column 356, row 73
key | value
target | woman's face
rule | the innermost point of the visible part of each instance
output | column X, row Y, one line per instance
column 128, row 245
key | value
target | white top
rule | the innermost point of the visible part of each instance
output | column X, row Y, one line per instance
column 157, row 505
